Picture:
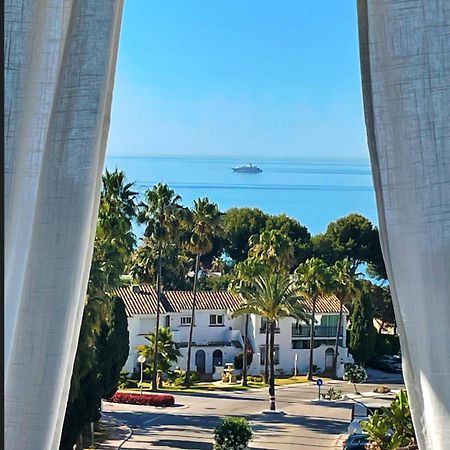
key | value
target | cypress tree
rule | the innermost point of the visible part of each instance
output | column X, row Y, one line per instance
column 363, row 333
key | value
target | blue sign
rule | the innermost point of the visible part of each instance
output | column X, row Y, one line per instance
column 319, row 382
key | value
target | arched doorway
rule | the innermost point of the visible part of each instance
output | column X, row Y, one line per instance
column 329, row 356
column 217, row 358
column 200, row 361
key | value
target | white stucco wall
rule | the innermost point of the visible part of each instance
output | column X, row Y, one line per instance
column 232, row 329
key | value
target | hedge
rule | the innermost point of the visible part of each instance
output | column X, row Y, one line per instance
column 144, row 399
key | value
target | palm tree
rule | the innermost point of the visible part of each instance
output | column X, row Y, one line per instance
column 273, row 248
column 344, row 286
column 167, row 351
column 161, row 214
column 206, row 225
column 313, row 278
column 274, row 296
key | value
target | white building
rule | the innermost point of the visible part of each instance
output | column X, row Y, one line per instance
column 218, row 338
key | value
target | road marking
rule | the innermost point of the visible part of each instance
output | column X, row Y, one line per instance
column 149, row 421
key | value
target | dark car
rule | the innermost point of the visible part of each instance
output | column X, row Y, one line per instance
column 388, row 363
column 355, row 442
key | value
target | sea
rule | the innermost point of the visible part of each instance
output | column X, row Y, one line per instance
column 313, row 191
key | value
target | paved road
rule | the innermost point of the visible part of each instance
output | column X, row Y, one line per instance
column 306, row 425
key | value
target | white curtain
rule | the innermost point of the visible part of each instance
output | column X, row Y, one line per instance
column 60, row 58
column 405, row 62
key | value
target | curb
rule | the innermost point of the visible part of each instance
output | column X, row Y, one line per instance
column 120, row 433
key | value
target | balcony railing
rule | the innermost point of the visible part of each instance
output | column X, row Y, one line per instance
column 319, row 331
column 262, row 330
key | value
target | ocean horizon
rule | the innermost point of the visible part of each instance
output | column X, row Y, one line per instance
column 315, row 191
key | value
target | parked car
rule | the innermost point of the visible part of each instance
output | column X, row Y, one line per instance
column 355, row 441
column 388, row 363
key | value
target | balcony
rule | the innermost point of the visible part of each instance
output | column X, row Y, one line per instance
column 262, row 330
column 319, row 331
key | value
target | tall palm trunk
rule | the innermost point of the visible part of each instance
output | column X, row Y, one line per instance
column 244, row 359
column 266, row 356
column 158, row 303
column 272, row 366
column 338, row 335
column 191, row 327
column 311, row 341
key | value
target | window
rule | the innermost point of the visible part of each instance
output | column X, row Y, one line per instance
column 167, row 324
column 263, row 327
column 303, row 344
column 216, row 320
column 185, row 320
column 262, row 352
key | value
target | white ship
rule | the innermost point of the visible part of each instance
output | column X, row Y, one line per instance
column 247, row 168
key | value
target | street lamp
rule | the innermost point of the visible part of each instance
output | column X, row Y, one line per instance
column 142, row 360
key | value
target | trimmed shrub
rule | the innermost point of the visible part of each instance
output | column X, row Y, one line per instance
column 144, row 399
column 233, row 433
column 255, row 378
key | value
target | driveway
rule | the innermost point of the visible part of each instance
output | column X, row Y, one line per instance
column 306, row 425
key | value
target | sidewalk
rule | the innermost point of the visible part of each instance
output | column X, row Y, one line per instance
column 118, row 433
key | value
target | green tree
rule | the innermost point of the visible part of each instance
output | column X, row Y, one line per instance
column 113, row 348
column 383, row 310
column 242, row 283
column 205, row 225
column 296, row 232
column 113, row 243
column 345, row 286
column 239, row 224
column 363, row 333
column 175, row 265
column 274, row 249
column 161, row 212
column 274, row 296
column 168, row 354
column 313, row 278
column 353, row 237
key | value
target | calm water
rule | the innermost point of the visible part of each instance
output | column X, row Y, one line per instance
column 315, row 192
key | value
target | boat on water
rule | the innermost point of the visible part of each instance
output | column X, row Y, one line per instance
column 247, row 168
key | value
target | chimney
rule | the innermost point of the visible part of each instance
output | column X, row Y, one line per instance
column 135, row 288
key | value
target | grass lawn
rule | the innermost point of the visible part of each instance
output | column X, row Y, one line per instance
column 214, row 386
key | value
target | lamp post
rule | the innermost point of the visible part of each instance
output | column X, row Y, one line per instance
column 142, row 360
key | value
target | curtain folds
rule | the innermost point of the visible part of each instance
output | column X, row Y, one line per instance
column 405, row 66
column 60, row 58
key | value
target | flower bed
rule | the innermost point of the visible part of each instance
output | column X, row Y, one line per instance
column 145, row 399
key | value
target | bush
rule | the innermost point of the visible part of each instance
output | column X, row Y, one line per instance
column 354, row 373
column 145, row 399
column 393, row 427
column 233, row 433
column 382, row 390
column 332, row 394
column 180, row 377
column 255, row 378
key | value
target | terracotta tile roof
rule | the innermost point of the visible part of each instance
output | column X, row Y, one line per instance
column 327, row 304
column 182, row 300
column 140, row 299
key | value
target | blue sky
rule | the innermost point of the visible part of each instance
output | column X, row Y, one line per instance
column 238, row 78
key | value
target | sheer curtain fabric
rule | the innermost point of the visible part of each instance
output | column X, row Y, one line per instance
column 60, row 59
column 405, row 62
